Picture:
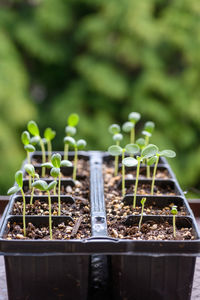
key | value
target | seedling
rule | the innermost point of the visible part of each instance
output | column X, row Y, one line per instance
column 155, row 159
column 17, row 188
column 147, row 152
column 114, row 129
column 26, row 140
column 70, row 130
column 141, row 143
column 133, row 117
column 31, row 171
column 147, row 132
column 174, row 213
column 142, row 211
column 45, row 187
column 49, row 135
column 55, row 165
column 128, row 161
column 34, row 130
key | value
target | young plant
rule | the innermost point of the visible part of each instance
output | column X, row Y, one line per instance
column 70, row 130
column 174, row 213
column 34, row 130
column 129, row 161
column 155, row 160
column 114, row 129
column 45, row 187
column 31, row 171
column 17, row 188
column 49, row 135
column 26, row 140
column 147, row 152
column 133, row 117
column 147, row 132
column 55, row 165
column 142, row 211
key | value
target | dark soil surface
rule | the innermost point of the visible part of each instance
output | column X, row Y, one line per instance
column 149, row 231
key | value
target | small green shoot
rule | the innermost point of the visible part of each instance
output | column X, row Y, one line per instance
column 114, row 129
column 16, row 188
column 155, row 159
column 49, row 135
column 55, row 165
column 70, row 130
column 31, row 172
column 34, row 130
column 44, row 186
column 142, row 211
column 174, row 213
column 128, row 161
column 147, row 132
column 26, row 140
column 129, row 126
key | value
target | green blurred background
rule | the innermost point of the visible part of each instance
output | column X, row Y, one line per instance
column 101, row 59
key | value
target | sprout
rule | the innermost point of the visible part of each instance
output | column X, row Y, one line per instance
column 114, row 129
column 34, row 130
column 17, row 188
column 174, row 213
column 55, row 165
column 49, row 135
column 44, row 186
column 129, row 161
column 70, row 130
column 31, row 171
column 147, row 132
column 26, row 140
column 133, row 117
column 155, row 159
column 142, row 202
column 141, row 143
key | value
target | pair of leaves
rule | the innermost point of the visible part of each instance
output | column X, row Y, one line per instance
column 174, row 210
column 80, row 144
column 148, row 128
column 56, row 163
column 165, row 153
column 73, row 120
column 31, row 170
column 114, row 129
column 33, row 128
column 26, row 140
column 44, row 186
column 117, row 150
column 49, row 134
column 19, row 181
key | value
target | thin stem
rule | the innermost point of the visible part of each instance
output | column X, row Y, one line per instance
column 148, row 170
column 154, row 174
column 116, row 161
column 139, row 227
column 50, row 222
column 59, row 178
column 32, row 194
column 29, row 177
column 49, row 149
column 75, row 163
column 43, row 156
column 146, row 140
column 123, row 174
column 54, row 190
column 174, row 225
column 28, row 157
column 66, row 149
column 24, row 211
column 146, row 160
column 132, row 135
column 136, row 181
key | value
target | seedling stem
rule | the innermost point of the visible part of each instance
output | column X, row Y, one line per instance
column 154, row 173
column 136, row 180
column 123, row 173
column 24, row 211
column 142, row 211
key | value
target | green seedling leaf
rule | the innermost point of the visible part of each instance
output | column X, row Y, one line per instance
column 70, row 141
column 127, row 126
column 55, row 172
column 132, row 148
column 47, row 165
column 69, row 130
column 152, row 160
column 149, row 126
column 149, row 151
column 34, row 140
column 66, row 163
column 25, row 137
column 134, row 117
column 19, row 178
column 174, row 210
column 167, row 153
column 114, row 129
column 129, row 162
column 49, row 134
column 81, row 144
column 115, row 150
column 73, row 120
column 56, row 160
column 51, row 185
column 29, row 148
column 117, row 137
column 30, row 169
column 143, row 201
column 146, row 133
column 40, row 185
column 33, row 128
column 13, row 190
column 140, row 142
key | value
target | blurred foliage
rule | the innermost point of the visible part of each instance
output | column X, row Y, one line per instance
column 101, row 59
